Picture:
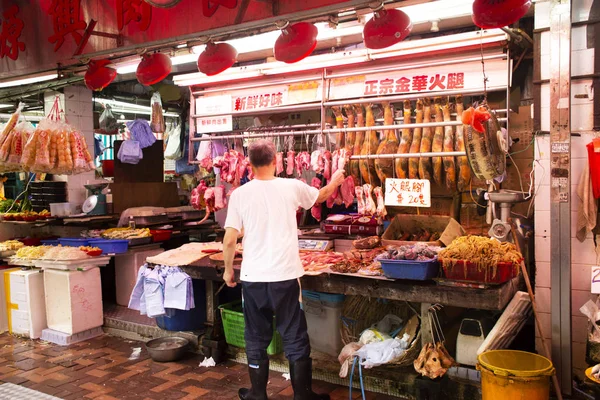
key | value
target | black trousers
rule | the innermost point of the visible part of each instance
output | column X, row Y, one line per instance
column 262, row 301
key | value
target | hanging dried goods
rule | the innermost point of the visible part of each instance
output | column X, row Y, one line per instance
column 358, row 143
column 425, row 164
column 340, row 137
column 385, row 167
column 350, row 136
column 370, row 145
column 402, row 169
column 438, row 143
column 449, row 164
column 462, row 163
column 415, row 146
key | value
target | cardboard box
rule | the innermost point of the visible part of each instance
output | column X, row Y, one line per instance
column 448, row 227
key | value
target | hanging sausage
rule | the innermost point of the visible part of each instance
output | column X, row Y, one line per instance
column 415, row 146
column 370, row 145
column 405, row 143
column 385, row 166
column 425, row 165
column 438, row 143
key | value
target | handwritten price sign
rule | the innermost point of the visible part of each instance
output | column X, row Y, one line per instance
column 407, row 192
column 596, row 280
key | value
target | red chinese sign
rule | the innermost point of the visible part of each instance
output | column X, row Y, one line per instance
column 418, row 83
column 12, row 27
column 258, row 102
column 209, row 8
column 137, row 11
column 66, row 20
column 214, row 121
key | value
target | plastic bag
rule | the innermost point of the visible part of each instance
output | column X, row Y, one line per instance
column 108, row 122
column 10, row 125
column 157, row 122
column 141, row 132
column 173, row 150
column 379, row 353
column 130, row 152
column 20, row 135
column 389, row 324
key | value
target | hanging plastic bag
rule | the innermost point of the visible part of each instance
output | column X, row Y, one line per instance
column 173, row 150
column 108, row 124
column 130, row 152
column 157, row 122
column 141, row 132
column 20, row 135
column 10, row 125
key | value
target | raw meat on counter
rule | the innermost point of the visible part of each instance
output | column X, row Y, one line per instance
column 367, row 243
column 319, row 260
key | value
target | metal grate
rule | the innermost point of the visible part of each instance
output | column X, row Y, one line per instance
column 9, row 391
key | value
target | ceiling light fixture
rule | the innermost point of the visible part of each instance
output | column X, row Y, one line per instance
column 27, row 81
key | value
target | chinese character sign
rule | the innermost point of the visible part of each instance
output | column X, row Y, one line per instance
column 408, row 192
column 11, row 29
column 136, row 11
column 417, row 83
column 254, row 102
column 66, row 20
column 223, row 123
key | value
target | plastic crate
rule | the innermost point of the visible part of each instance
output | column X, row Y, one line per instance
column 410, row 269
column 110, row 246
column 73, row 242
column 323, row 313
column 504, row 273
column 161, row 235
column 232, row 316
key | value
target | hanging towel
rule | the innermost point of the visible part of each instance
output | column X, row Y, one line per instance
column 138, row 290
column 177, row 289
column 140, row 131
column 153, row 294
column 588, row 205
column 130, row 152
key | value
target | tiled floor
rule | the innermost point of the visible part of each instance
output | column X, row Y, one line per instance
column 101, row 369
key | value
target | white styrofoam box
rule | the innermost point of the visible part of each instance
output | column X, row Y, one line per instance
column 27, row 313
column 542, row 223
column 542, row 274
column 126, row 269
column 73, row 300
column 542, row 248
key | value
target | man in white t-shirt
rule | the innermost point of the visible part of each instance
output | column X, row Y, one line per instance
column 264, row 209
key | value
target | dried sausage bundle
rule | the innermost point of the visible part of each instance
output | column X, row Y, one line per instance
column 426, row 144
column 370, row 145
column 438, row 143
column 415, row 146
column 389, row 144
column 405, row 143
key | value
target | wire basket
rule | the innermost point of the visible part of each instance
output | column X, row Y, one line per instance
column 360, row 313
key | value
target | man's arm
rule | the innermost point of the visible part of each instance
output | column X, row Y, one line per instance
column 336, row 181
column 229, row 244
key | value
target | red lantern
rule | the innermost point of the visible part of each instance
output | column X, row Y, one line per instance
column 153, row 68
column 163, row 3
column 386, row 28
column 296, row 42
column 216, row 58
column 489, row 14
column 99, row 75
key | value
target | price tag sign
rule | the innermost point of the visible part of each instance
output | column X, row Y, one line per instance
column 596, row 280
column 408, row 192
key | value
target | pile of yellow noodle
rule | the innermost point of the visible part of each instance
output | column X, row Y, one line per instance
column 484, row 252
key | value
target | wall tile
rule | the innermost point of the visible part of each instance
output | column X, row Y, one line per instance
column 578, row 299
column 542, row 298
column 579, row 329
column 580, row 277
column 542, row 275
column 583, row 253
column 546, row 323
column 542, row 223
column 542, row 249
column 542, row 198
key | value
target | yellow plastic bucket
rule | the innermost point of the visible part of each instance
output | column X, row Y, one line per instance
column 514, row 375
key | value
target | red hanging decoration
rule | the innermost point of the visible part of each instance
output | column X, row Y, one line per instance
column 153, row 68
column 386, row 28
column 99, row 74
column 216, row 58
column 296, row 42
column 163, row 3
column 490, row 14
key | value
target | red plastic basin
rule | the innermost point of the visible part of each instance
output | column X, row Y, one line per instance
column 504, row 273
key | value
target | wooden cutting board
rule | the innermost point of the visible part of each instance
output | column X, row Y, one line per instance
column 219, row 260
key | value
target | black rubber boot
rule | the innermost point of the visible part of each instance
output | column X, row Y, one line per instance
column 301, row 374
column 259, row 376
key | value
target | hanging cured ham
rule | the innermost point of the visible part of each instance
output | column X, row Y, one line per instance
column 462, row 163
column 449, row 165
column 405, row 143
column 350, row 136
column 358, row 142
column 340, row 137
column 438, row 143
column 389, row 145
column 370, row 145
column 426, row 143
column 415, row 146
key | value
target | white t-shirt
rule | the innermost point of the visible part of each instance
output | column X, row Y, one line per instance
column 266, row 210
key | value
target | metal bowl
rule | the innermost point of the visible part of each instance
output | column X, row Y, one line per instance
column 167, row 349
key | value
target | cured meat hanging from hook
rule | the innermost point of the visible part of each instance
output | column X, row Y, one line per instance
column 415, row 146
column 425, row 167
column 438, row 143
column 370, row 145
column 402, row 170
column 340, row 137
column 350, row 136
column 464, row 170
column 449, row 165
column 389, row 145
column 289, row 162
column 381, row 211
column 370, row 205
column 358, row 143
column 360, row 199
